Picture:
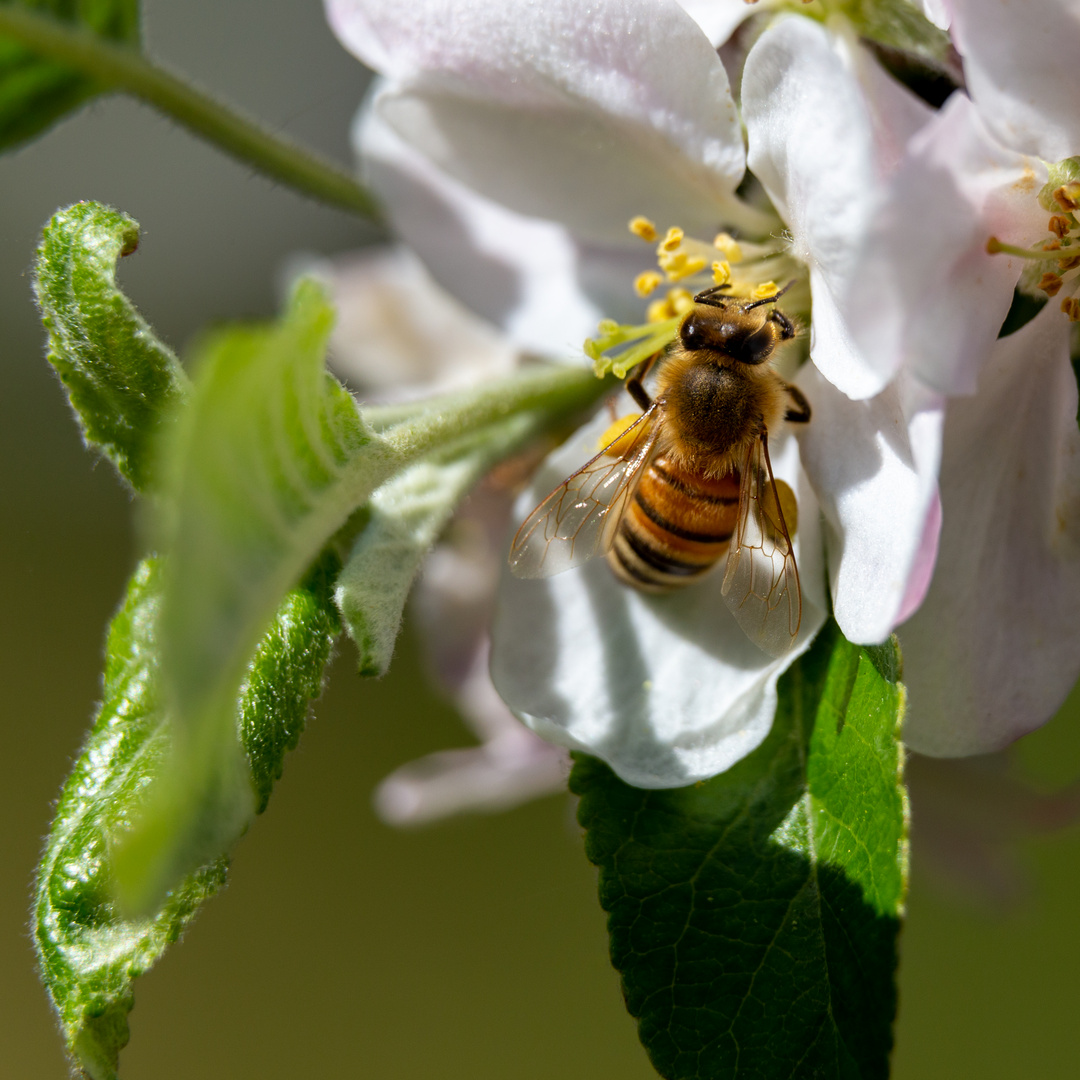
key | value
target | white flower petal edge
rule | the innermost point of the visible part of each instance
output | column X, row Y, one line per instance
column 1020, row 63
column 511, row 767
column 825, row 128
column 719, row 19
column 995, row 647
column 874, row 467
column 520, row 273
column 667, row 689
column 398, row 334
column 926, row 294
column 585, row 114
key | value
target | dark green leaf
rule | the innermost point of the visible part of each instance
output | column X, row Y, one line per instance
column 122, row 382
column 89, row 951
column 35, row 92
column 754, row 917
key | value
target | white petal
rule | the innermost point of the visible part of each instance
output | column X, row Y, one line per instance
column 667, row 689
column 995, row 647
column 825, row 128
column 874, row 467
column 719, row 19
column 583, row 114
column 397, row 332
column 926, row 294
column 1021, row 70
column 482, row 779
column 511, row 767
column 520, row 273
column 936, row 11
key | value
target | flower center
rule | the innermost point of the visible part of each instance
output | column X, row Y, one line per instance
column 1054, row 265
column 749, row 269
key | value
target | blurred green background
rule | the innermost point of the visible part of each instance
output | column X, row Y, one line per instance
column 472, row 949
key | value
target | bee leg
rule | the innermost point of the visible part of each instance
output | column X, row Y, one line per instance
column 634, row 385
column 799, row 413
column 787, row 327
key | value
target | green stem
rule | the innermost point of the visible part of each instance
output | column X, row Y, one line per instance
column 119, row 67
column 552, row 388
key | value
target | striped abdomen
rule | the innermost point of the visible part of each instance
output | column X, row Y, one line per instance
column 676, row 527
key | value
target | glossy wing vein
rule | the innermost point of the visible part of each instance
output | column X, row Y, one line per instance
column 761, row 582
column 580, row 518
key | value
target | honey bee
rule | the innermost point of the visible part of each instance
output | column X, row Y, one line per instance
column 689, row 478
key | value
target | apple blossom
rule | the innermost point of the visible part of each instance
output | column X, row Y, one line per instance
column 573, row 122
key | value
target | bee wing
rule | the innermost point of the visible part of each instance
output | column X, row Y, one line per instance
column 761, row 582
column 580, row 518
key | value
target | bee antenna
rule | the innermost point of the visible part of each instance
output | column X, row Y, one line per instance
column 709, row 295
column 770, row 299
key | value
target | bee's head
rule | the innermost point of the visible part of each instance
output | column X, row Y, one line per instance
column 744, row 332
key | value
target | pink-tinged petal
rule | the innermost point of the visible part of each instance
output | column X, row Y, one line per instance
column 582, row 114
column 512, row 765
column 995, row 647
column 398, row 333
column 926, row 294
column 826, row 127
column 522, row 274
column 1021, row 70
column 874, row 467
column 666, row 689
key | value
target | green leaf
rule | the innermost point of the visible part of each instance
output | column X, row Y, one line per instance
column 88, row 950
column 270, row 461
column 255, row 477
column 404, row 518
column 34, row 91
column 754, row 917
column 121, row 381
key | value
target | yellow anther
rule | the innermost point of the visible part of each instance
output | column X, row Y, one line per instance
column 721, row 272
column 726, row 243
column 993, row 246
column 764, row 290
column 658, row 311
column 679, row 265
column 680, row 301
column 1068, row 196
column 1050, row 283
column 645, row 283
column 1071, row 306
column 672, row 240
column 1051, row 245
column 1059, row 226
column 1070, row 263
column 643, row 227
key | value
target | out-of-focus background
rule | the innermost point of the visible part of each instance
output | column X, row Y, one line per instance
column 473, row 949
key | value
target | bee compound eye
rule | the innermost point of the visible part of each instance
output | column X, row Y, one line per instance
column 690, row 333
column 754, row 348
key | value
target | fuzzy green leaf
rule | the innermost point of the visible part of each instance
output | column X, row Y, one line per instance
column 404, row 518
column 253, row 468
column 269, row 462
column 754, row 917
column 121, row 381
column 89, row 950
column 36, row 92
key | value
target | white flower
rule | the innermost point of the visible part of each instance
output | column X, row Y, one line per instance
column 907, row 307
column 569, row 120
